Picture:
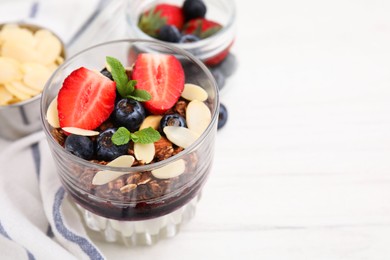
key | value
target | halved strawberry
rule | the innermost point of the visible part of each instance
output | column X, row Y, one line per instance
column 162, row 14
column 162, row 76
column 204, row 28
column 86, row 99
column 201, row 27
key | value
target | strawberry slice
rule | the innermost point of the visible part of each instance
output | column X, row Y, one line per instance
column 162, row 14
column 86, row 99
column 201, row 27
column 162, row 76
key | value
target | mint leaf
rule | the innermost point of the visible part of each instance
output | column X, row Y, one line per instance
column 146, row 136
column 126, row 87
column 130, row 86
column 121, row 136
column 140, row 95
column 119, row 75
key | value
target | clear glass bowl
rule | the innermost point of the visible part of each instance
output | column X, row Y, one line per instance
column 221, row 11
column 156, row 207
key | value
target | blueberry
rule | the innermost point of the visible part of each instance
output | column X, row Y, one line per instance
column 187, row 38
column 222, row 116
column 106, row 150
column 172, row 120
column 219, row 77
column 194, row 9
column 106, row 73
column 81, row 146
column 169, row 33
column 129, row 113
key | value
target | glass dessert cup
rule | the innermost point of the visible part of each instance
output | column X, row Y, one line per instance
column 136, row 208
column 211, row 50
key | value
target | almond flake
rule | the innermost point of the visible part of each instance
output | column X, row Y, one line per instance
column 144, row 152
column 152, row 121
column 9, row 70
column 194, row 92
column 5, row 96
column 122, row 161
column 14, row 91
column 35, row 75
column 171, row 170
column 25, row 89
column 79, row 131
column 47, row 46
column 198, row 116
column 128, row 187
column 52, row 114
column 180, row 136
column 104, row 177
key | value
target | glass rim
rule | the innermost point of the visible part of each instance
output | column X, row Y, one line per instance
column 139, row 168
column 204, row 42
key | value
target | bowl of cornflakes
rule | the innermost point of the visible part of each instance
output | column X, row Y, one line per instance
column 29, row 54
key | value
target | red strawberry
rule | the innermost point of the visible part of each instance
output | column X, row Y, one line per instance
column 162, row 14
column 204, row 28
column 201, row 27
column 162, row 76
column 86, row 99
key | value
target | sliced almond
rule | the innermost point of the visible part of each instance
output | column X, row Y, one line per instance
column 5, row 96
column 52, row 67
column 59, row 60
column 122, row 161
column 194, row 92
column 9, row 70
column 47, row 46
column 152, row 121
column 198, row 116
column 52, row 114
column 180, row 136
column 20, row 95
column 19, row 51
column 23, row 88
column 128, row 187
column 15, row 34
column 171, row 170
column 79, row 131
column 35, row 75
column 104, row 177
column 144, row 152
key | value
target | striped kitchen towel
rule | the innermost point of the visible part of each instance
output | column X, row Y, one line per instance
column 37, row 220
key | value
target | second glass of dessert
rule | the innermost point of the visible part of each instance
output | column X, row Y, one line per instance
column 132, row 134
column 205, row 28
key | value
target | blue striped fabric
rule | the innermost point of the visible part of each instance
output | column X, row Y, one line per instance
column 84, row 244
column 89, row 249
column 5, row 234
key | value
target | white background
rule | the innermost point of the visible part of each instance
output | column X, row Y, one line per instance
column 302, row 168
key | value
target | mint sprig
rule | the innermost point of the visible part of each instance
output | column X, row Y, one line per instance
column 144, row 136
column 126, row 87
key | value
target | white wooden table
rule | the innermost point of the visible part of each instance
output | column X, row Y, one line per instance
column 302, row 169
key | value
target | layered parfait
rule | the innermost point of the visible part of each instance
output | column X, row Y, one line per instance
column 129, row 133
